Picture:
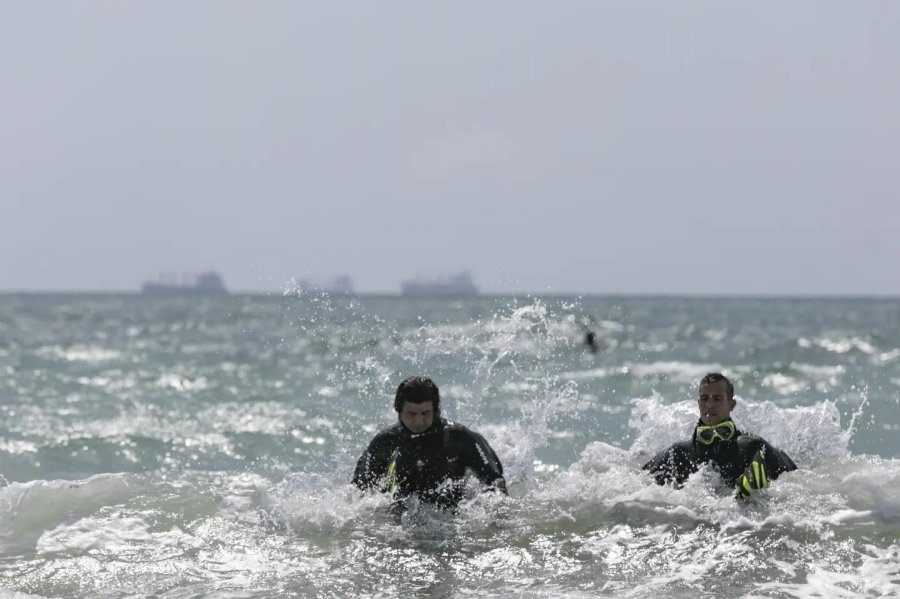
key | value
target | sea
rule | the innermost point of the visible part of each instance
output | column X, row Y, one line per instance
column 203, row 447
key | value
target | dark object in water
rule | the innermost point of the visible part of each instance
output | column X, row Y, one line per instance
column 590, row 340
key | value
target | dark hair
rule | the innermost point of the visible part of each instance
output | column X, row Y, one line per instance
column 715, row 377
column 417, row 389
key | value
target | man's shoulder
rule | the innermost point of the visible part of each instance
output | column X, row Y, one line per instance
column 452, row 425
column 455, row 429
column 685, row 446
column 677, row 450
column 776, row 459
column 387, row 434
column 751, row 440
column 460, row 435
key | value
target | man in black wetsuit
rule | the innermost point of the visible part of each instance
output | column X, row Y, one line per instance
column 744, row 460
column 424, row 454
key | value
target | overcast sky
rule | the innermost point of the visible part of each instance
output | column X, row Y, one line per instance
column 577, row 146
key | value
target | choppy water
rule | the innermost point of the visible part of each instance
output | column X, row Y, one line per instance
column 185, row 448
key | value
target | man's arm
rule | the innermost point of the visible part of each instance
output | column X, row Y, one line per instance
column 767, row 463
column 372, row 465
column 484, row 462
column 671, row 466
column 777, row 462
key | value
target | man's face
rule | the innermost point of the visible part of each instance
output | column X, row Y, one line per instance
column 417, row 417
column 714, row 403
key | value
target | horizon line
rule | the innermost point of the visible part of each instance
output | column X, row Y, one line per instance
column 481, row 295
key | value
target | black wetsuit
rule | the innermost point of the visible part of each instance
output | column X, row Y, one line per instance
column 432, row 464
column 732, row 458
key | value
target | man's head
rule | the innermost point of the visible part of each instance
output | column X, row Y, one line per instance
column 418, row 403
column 716, row 400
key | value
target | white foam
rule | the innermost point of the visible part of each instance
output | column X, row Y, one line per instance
column 81, row 353
column 839, row 345
column 659, row 425
column 116, row 535
column 28, row 509
column 784, row 384
column 819, row 372
column 305, row 500
column 685, row 372
column 886, row 357
column 17, row 446
column 593, row 373
column 876, row 575
column 10, row 594
column 179, row 382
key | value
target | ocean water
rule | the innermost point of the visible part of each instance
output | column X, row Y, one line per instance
column 178, row 447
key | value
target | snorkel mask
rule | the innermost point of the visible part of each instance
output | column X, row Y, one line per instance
column 707, row 434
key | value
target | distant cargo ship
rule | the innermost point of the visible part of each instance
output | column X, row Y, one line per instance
column 207, row 283
column 460, row 285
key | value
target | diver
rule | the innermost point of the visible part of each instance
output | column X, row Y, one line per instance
column 744, row 461
column 426, row 455
column 590, row 342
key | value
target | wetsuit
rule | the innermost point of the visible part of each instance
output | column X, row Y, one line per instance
column 732, row 458
column 431, row 464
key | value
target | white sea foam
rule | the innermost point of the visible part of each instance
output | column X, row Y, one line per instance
column 180, row 382
column 784, row 384
column 305, row 500
column 687, row 372
column 81, row 353
column 819, row 372
column 15, row 446
column 118, row 536
column 838, row 344
column 10, row 594
column 594, row 373
column 867, row 572
column 28, row 509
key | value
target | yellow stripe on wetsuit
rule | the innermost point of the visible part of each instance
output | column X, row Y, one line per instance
column 759, row 475
column 392, row 481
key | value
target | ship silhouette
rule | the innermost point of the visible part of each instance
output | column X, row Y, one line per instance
column 458, row 285
column 202, row 284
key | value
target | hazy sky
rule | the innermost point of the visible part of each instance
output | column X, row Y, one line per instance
column 577, row 146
